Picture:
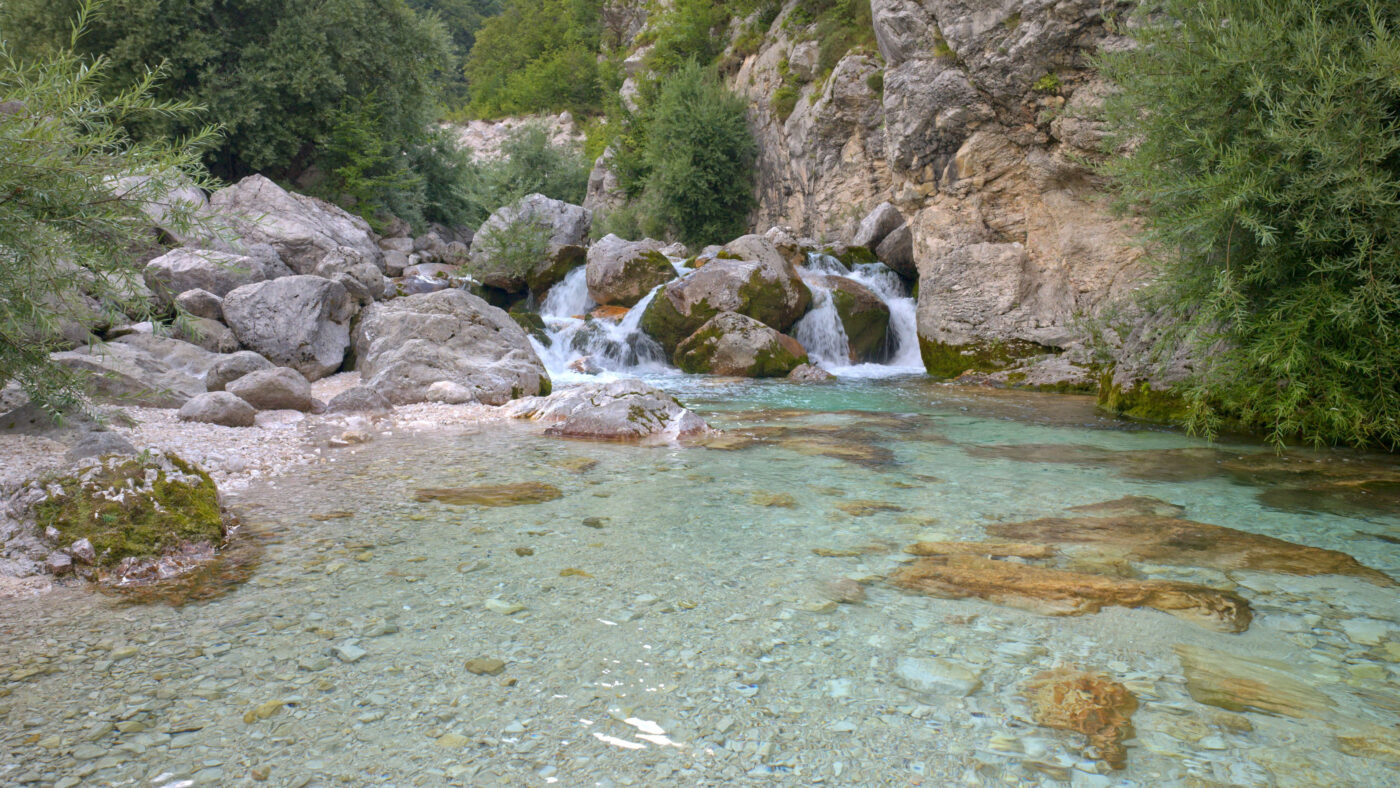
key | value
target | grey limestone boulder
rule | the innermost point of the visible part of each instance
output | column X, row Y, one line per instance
column 407, row 344
column 621, row 272
column 303, row 230
column 280, row 388
column 189, row 269
column 876, row 225
column 201, row 303
column 219, row 407
column 733, row 344
column 300, row 322
column 142, row 369
column 623, row 410
column 232, row 367
column 358, row 399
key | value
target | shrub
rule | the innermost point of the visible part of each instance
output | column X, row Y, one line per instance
column 1266, row 160
column 784, row 101
column 529, row 163
column 537, row 56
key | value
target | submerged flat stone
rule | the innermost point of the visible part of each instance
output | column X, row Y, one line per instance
column 1131, row 505
column 1084, row 702
column 988, row 549
column 1174, row 541
column 1055, row 592
column 518, row 494
column 1240, row 683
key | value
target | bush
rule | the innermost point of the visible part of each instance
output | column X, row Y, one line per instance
column 529, row 163
column 537, row 56
column 699, row 157
column 784, row 101
column 1266, row 160
column 66, row 229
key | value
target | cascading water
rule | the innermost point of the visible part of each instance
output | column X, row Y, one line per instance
column 583, row 347
column 820, row 331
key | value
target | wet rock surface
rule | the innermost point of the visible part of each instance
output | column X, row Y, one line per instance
column 625, row 410
column 732, row 344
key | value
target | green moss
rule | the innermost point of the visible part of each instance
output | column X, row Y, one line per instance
column 145, row 520
column 725, row 254
column 766, row 301
column 1049, row 83
column 784, row 101
column 1141, row 402
column 867, row 329
column 696, row 356
column 949, row 361
column 851, row 255
column 876, row 83
column 664, row 323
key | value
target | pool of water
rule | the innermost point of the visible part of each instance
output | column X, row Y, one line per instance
column 723, row 614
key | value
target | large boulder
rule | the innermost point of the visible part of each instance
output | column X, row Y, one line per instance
column 864, row 317
column 300, row 322
column 303, row 230
column 897, row 252
column 232, row 367
column 748, row 276
column 623, row 410
column 280, row 388
column 406, row 345
column 732, row 344
column 621, row 272
column 142, row 369
column 201, row 303
column 211, row 335
column 219, row 407
column 876, row 225
column 527, row 241
column 200, row 269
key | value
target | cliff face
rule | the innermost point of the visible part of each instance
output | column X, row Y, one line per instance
column 976, row 125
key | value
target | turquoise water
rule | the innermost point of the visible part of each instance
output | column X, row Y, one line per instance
column 692, row 615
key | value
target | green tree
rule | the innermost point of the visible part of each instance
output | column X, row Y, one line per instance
column 72, row 186
column 699, row 155
column 1265, row 156
column 537, row 56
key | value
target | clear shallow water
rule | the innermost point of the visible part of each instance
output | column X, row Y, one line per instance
column 695, row 605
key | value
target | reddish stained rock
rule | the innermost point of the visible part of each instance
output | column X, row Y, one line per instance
column 987, row 549
column 1056, row 592
column 612, row 314
column 1240, row 683
column 1174, row 541
column 1084, row 702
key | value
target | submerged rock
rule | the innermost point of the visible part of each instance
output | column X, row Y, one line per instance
column 1130, row 506
column 1241, row 683
column 1084, row 702
column 623, row 410
column 1056, row 592
column 1175, row 541
column 518, row 494
column 732, row 344
column 809, row 373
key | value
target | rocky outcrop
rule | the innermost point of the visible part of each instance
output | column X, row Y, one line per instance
column 748, row 277
column 623, row 410
column 303, row 230
column 470, row 350
column 621, row 272
column 142, row 369
column 732, row 344
column 300, row 322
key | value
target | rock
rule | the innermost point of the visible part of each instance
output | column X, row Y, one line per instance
column 362, row 280
column 201, row 303
column 877, row 225
column 1241, row 683
column 519, row 494
column 621, row 272
column 348, row 652
column 211, row 335
column 405, row 345
column 623, row 410
column 897, row 252
column 761, row 285
column 1368, row 631
column 1175, row 541
column 163, row 199
column 732, row 344
column 196, row 269
column 1131, row 506
column 142, row 369
column 605, row 193
column 395, row 262
column 1056, row 592
column 935, row 676
column 1084, row 702
column 218, row 407
column 985, row 549
column 58, row 563
column 232, row 367
column 280, row 388
column 300, row 322
column 303, row 230
column 562, row 225
column 82, row 550
column 402, row 245
column 503, row 607
column 99, row 444
column 558, row 261
column 864, row 317
column 359, row 399
column 485, row 666
column 810, row 373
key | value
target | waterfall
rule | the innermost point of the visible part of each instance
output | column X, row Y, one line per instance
column 820, row 330
column 821, row 333
column 583, row 348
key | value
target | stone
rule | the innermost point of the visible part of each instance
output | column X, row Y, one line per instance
column 348, row 652
column 302, row 230
column 82, row 550
column 406, row 345
column 142, row 369
column 879, row 223
column 503, row 607
column 358, row 399
column 986, row 549
column 897, row 252
column 300, row 322
column 563, row 224
column 198, row 269
column 58, row 563
column 201, row 303
column 517, row 494
column 1057, row 592
column 736, row 345
column 211, row 335
column 98, row 444
column 559, row 260
column 936, row 676
column 1368, row 631
column 280, row 388
column 234, row 366
column 809, row 373
column 621, row 272
column 864, row 317
column 760, row 284
column 1241, row 683
column 1131, row 506
column 1084, row 702
column 485, row 666
column 622, row 410
column 1176, row 541
column 218, row 407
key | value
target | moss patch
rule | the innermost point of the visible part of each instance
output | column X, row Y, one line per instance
column 851, row 255
column 949, row 361
column 1141, row 402
column 130, row 508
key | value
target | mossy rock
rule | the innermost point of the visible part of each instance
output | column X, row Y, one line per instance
column 1141, row 402
column 132, row 507
column 942, row 360
column 733, row 344
column 852, row 255
column 532, row 323
column 865, row 318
